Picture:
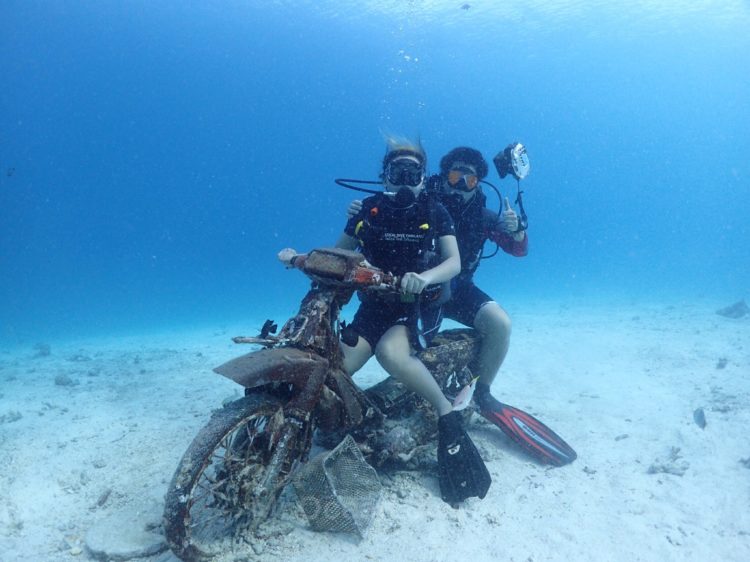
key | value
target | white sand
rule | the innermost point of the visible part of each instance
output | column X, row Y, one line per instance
column 619, row 383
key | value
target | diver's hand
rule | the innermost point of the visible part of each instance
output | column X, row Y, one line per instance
column 414, row 282
column 354, row 208
column 287, row 255
column 509, row 218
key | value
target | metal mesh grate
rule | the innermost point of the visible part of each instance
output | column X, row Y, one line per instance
column 338, row 490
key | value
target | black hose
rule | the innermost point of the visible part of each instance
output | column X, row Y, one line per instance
column 347, row 183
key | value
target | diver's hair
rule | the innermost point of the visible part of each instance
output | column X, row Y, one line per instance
column 464, row 154
column 401, row 146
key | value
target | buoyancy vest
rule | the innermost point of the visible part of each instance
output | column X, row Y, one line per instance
column 470, row 230
column 398, row 239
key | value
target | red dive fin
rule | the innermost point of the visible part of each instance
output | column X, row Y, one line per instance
column 535, row 438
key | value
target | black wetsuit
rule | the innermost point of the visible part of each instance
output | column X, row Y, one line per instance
column 474, row 224
column 398, row 240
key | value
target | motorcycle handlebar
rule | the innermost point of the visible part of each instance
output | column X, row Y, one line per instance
column 335, row 266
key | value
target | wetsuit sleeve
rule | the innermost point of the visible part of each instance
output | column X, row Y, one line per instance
column 444, row 226
column 351, row 224
column 507, row 243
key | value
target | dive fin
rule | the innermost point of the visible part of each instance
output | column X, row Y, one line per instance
column 535, row 438
column 461, row 470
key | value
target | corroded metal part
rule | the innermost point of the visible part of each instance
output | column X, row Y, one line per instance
column 355, row 405
column 283, row 364
column 293, row 389
column 450, row 352
column 330, row 263
column 330, row 410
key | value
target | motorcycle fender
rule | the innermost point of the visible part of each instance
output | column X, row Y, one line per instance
column 283, row 364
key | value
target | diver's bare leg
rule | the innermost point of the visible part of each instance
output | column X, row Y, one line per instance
column 494, row 324
column 394, row 353
column 355, row 357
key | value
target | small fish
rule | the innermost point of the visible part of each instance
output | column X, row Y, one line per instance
column 463, row 399
column 699, row 417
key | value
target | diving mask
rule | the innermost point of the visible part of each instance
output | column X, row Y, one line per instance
column 463, row 179
column 404, row 171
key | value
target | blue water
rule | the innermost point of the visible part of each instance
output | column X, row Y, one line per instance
column 155, row 156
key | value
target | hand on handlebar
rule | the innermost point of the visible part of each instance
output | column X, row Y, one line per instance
column 414, row 283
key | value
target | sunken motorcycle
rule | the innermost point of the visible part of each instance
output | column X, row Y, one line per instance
column 232, row 474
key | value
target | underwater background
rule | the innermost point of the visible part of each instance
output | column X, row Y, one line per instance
column 155, row 156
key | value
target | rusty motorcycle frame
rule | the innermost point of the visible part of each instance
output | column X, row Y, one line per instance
column 231, row 476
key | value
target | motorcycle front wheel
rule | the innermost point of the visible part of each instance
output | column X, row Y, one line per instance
column 229, row 478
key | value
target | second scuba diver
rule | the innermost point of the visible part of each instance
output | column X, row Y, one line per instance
column 461, row 170
column 408, row 232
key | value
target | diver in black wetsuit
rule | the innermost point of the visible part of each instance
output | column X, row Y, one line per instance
column 411, row 235
column 407, row 232
column 460, row 172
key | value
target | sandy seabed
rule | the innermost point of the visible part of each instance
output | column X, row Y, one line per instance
column 95, row 427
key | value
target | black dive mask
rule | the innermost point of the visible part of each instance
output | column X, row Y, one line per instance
column 404, row 172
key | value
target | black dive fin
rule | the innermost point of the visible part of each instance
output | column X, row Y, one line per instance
column 461, row 470
column 535, row 438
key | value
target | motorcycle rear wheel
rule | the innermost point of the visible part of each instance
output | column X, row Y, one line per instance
column 214, row 494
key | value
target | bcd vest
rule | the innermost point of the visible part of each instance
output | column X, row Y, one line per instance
column 470, row 230
column 396, row 239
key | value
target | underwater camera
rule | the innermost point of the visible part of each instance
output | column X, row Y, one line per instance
column 513, row 160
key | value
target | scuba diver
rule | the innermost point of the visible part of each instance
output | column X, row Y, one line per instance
column 457, row 186
column 461, row 170
column 408, row 232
